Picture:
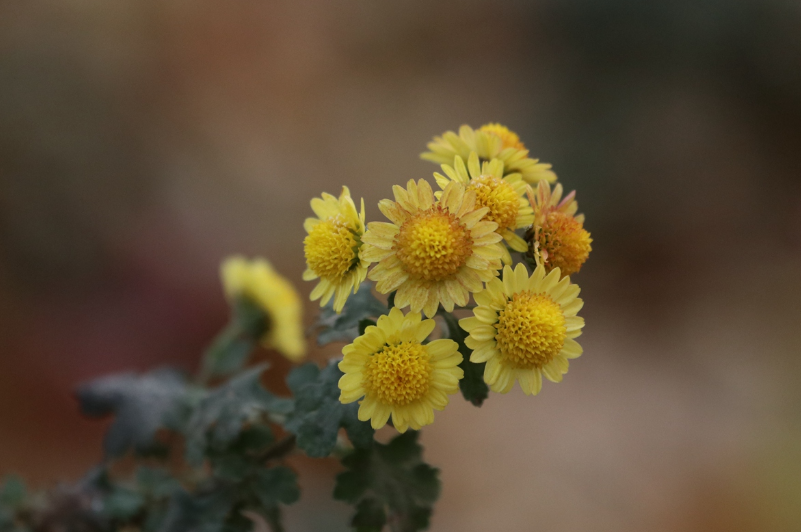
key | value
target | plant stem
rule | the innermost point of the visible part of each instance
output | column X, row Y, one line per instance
column 280, row 449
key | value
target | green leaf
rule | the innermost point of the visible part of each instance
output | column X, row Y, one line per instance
column 13, row 491
column 140, row 404
column 389, row 483
column 7, row 518
column 370, row 516
column 473, row 387
column 239, row 459
column 122, row 503
column 220, row 417
column 156, row 483
column 231, row 348
column 302, row 375
column 318, row 414
column 12, row 500
column 344, row 327
column 274, row 486
column 199, row 512
column 263, row 492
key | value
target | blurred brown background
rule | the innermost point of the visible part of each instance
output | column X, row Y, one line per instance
column 140, row 142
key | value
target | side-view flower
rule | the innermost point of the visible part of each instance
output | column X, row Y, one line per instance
column 490, row 141
column 332, row 248
column 557, row 239
column 257, row 281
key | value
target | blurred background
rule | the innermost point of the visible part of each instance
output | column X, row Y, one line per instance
column 141, row 142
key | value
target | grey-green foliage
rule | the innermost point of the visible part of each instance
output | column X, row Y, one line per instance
column 12, row 500
column 230, row 349
column 273, row 487
column 139, row 403
column 219, row 416
column 389, row 483
column 234, row 436
column 204, row 510
column 111, row 501
column 344, row 327
column 242, row 479
column 318, row 415
column 226, row 427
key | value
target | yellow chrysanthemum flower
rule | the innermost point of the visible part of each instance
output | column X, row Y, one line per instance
column 397, row 374
column 433, row 251
column 332, row 248
column 491, row 141
column 557, row 239
column 525, row 327
column 509, row 139
column 503, row 196
column 258, row 281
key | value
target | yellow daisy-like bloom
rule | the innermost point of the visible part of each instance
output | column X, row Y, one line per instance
column 557, row 239
column 332, row 248
column 509, row 139
column 491, row 141
column 504, row 196
column 397, row 374
column 258, row 281
column 433, row 251
column 525, row 327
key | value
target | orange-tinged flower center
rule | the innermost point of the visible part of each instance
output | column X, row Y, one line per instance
column 531, row 330
column 399, row 374
column 499, row 196
column 509, row 139
column 566, row 241
column 433, row 245
column 331, row 248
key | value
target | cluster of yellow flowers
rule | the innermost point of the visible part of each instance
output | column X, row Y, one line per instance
column 438, row 248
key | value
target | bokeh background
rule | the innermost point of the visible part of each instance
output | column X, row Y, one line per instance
column 141, row 142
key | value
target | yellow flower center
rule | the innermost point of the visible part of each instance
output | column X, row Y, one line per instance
column 509, row 139
column 566, row 241
column 531, row 330
column 433, row 245
column 331, row 248
column 399, row 374
column 499, row 196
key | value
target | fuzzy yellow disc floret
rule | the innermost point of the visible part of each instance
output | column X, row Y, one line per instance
column 498, row 195
column 331, row 248
column 433, row 245
column 566, row 242
column 399, row 374
column 531, row 330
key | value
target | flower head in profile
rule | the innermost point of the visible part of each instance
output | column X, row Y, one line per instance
column 433, row 250
column 332, row 248
column 257, row 281
column 491, row 141
column 504, row 196
column 557, row 239
column 525, row 327
column 399, row 375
